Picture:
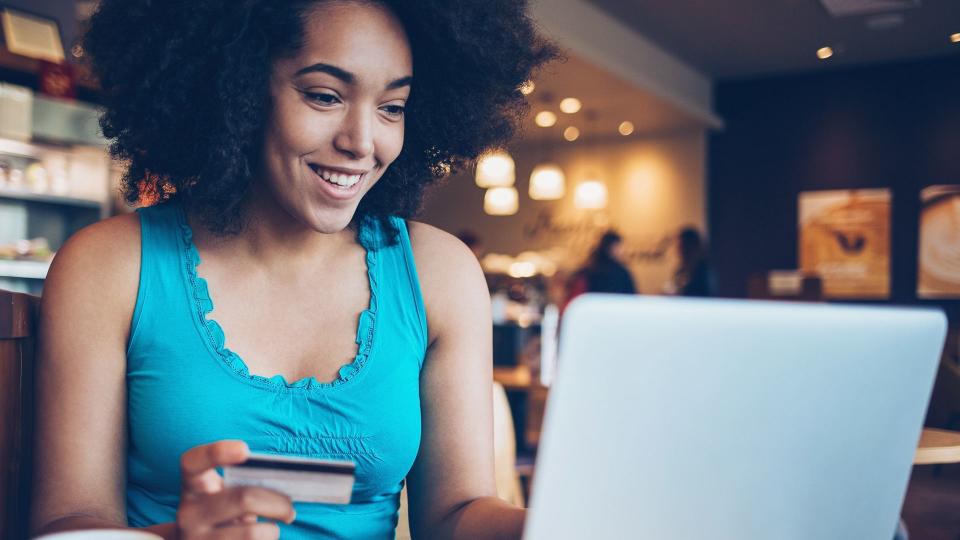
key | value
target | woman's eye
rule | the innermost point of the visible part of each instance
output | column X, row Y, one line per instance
column 323, row 99
column 394, row 110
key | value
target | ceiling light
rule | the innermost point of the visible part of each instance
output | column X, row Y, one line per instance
column 547, row 182
column 527, row 88
column 545, row 119
column 495, row 169
column 824, row 52
column 501, row 201
column 570, row 105
column 955, row 38
column 625, row 128
column 590, row 195
column 571, row 133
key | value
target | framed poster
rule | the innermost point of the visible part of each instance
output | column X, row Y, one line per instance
column 32, row 35
column 938, row 272
column 845, row 239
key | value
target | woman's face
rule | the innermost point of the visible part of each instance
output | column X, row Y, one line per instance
column 338, row 112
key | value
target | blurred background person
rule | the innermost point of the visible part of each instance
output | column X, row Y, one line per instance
column 693, row 276
column 604, row 271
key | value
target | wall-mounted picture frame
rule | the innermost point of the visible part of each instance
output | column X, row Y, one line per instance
column 845, row 240
column 31, row 35
column 938, row 271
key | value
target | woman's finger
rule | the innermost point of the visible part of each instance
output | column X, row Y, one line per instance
column 197, row 464
column 234, row 506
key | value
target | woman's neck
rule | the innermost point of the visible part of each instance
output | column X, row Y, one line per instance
column 271, row 237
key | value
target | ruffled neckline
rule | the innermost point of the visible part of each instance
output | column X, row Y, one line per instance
column 214, row 332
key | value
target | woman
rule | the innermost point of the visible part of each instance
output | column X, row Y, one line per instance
column 271, row 301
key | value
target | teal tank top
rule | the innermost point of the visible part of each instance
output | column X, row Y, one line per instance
column 185, row 388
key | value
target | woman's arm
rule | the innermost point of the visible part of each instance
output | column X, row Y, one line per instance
column 451, row 486
column 80, row 480
column 88, row 300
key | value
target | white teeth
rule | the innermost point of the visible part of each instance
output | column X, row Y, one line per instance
column 342, row 180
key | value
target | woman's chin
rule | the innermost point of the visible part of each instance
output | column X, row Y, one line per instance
column 331, row 220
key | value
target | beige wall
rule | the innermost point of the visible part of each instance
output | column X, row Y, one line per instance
column 656, row 185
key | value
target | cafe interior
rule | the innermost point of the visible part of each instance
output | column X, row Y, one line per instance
column 810, row 149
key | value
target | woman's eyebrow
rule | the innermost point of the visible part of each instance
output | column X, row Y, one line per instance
column 320, row 67
column 399, row 83
column 348, row 77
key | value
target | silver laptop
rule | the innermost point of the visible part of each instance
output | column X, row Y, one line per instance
column 676, row 419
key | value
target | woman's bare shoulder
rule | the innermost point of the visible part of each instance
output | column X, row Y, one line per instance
column 100, row 262
column 439, row 253
column 451, row 279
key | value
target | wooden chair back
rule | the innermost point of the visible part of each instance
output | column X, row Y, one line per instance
column 18, row 326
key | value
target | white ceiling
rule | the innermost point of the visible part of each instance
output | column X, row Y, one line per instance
column 745, row 38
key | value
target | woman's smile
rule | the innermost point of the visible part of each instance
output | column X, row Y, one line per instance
column 340, row 183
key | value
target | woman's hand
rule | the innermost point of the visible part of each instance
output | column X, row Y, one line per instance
column 207, row 510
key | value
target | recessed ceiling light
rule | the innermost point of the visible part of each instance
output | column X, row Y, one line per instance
column 570, row 105
column 527, row 88
column 571, row 133
column 824, row 52
column 955, row 38
column 625, row 128
column 545, row 119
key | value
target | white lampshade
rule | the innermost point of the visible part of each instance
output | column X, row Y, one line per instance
column 495, row 169
column 590, row 195
column 547, row 182
column 501, row 201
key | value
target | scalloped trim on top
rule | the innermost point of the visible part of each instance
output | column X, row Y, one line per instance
column 204, row 306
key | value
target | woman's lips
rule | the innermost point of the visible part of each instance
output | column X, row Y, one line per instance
column 339, row 185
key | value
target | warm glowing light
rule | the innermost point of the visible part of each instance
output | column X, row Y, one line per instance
column 501, row 201
column 527, row 88
column 495, row 169
column 824, row 52
column 522, row 269
column 955, row 38
column 590, row 195
column 625, row 128
column 547, row 182
column 545, row 119
column 570, row 105
column 571, row 134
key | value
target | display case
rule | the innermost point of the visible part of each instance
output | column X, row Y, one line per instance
column 55, row 178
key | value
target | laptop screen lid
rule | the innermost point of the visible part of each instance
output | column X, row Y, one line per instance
column 689, row 419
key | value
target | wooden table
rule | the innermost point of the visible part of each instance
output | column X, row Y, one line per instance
column 938, row 446
column 513, row 378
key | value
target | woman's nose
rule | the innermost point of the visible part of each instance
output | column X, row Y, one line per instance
column 355, row 136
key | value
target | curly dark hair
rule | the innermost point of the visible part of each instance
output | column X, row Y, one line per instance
column 185, row 85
